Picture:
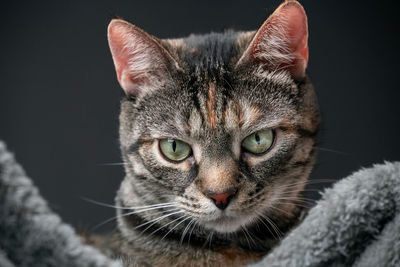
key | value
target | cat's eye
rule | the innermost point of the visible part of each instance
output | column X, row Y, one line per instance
column 259, row 142
column 175, row 150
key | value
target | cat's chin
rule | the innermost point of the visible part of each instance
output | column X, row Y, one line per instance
column 228, row 224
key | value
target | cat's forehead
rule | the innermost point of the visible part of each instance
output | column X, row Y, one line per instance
column 212, row 106
column 205, row 52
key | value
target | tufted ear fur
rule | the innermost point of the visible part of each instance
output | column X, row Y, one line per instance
column 141, row 62
column 281, row 42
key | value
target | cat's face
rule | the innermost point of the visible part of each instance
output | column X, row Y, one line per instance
column 222, row 126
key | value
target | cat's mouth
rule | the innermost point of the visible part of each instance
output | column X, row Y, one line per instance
column 227, row 223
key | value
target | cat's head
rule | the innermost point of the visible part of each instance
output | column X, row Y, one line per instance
column 220, row 126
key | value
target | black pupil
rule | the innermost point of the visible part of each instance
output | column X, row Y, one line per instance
column 174, row 146
column 257, row 138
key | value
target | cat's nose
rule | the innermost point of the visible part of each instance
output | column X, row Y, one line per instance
column 221, row 199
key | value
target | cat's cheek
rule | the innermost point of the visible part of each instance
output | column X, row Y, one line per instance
column 284, row 198
column 125, row 193
column 303, row 151
column 135, row 166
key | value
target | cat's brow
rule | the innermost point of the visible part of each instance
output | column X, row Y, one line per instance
column 170, row 133
column 167, row 128
column 266, row 121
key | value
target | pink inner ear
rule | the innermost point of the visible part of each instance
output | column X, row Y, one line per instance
column 281, row 42
column 116, row 42
column 297, row 33
column 130, row 53
column 140, row 61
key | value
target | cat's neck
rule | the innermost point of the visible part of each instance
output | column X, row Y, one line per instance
column 194, row 244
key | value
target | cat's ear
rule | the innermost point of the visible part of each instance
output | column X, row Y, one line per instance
column 141, row 62
column 281, row 42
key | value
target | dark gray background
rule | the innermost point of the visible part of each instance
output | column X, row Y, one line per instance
column 59, row 96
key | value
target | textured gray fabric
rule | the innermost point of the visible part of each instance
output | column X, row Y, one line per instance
column 4, row 262
column 356, row 223
column 30, row 233
column 385, row 251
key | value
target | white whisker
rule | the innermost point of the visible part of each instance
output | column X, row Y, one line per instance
column 205, row 242
column 273, row 225
column 304, row 190
column 306, row 206
column 154, row 221
column 124, row 215
column 211, row 236
column 186, row 229
column 245, row 235
column 278, row 209
column 158, row 229
column 261, row 220
column 114, row 164
column 299, row 199
column 125, row 208
column 187, row 217
column 307, row 182
column 333, row 151
column 194, row 226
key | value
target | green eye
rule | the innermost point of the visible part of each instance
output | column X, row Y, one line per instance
column 175, row 150
column 259, row 142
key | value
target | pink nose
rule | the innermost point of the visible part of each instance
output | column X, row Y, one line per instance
column 221, row 200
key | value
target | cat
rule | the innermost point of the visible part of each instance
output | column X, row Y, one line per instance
column 218, row 136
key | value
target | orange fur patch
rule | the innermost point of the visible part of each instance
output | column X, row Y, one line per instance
column 212, row 118
column 287, row 125
column 218, row 179
column 255, row 114
column 239, row 114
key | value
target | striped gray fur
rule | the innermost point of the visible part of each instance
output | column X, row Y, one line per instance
column 212, row 103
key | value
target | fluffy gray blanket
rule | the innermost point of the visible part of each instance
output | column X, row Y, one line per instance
column 356, row 223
